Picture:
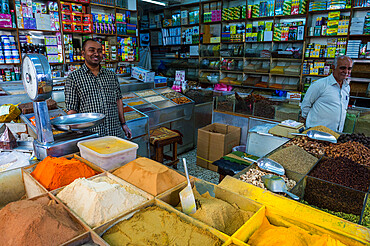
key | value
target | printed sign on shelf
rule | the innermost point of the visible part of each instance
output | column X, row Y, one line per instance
column 180, row 76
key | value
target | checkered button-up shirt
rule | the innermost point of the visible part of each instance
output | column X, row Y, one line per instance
column 87, row 93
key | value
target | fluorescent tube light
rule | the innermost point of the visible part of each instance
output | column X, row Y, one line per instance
column 154, row 2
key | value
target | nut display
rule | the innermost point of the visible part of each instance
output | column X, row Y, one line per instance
column 366, row 216
column 324, row 129
column 127, row 109
column 311, row 146
column 180, row 100
column 254, row 177
column 154, row 99
column 145, row 93
column 171, row 94
column 343, row 171
column 360, row 137
column 354, row 151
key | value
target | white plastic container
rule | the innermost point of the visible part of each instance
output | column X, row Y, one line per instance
column 112, row 160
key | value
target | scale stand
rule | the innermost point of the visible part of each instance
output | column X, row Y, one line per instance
column 38, row 83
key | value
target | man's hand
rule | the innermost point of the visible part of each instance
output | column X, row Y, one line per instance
column 302, row 120
column 127, row 131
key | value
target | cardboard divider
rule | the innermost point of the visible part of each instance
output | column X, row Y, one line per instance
column 299, row 210
column 34, row 188
column 156, row 202
column 88, row 237
column 12, row 186
column 234, row 241
column 172, row 197
column 127, row 186
column 279, row 218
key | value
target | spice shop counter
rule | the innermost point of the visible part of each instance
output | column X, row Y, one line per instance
column 165, row 107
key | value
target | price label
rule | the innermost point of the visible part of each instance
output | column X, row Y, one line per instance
column 180, row 76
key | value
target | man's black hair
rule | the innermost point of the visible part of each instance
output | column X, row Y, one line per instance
column 87, row 40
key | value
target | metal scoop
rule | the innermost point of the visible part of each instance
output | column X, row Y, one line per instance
column 271, row 166
column 277, row 184
column 317, row 135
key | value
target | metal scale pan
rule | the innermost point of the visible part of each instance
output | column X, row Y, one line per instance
column 77, row 122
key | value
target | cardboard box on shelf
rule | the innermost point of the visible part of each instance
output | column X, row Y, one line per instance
column 215, row 141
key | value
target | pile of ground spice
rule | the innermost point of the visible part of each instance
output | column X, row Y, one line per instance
column 219, row 214
column 36, row 222
column 323, row 129
column 156, row 226
column 149, row 175
column 99, row 200
column 269, row 234
column 294, row 159
column 54, row 172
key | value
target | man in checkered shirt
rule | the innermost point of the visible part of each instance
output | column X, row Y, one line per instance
column 93, row 89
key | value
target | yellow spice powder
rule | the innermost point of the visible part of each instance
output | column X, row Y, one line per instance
column 156, row 226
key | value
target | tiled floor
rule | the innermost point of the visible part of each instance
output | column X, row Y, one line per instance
column 195, row 170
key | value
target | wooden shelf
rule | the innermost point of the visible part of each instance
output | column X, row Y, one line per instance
column 316, row 75
column 231, row 71
column 287, row 59
column 102, row 5
column 327, row 11
column 77, row 33
column 233, row 21
column 318, row 58
column 285, row 75
column 8, row 29
column 260, row 18
column 326, row 36
column 10, row 64
column 190, row 25
column 35, row 30
column 290, row 16
column 126, row 35
column 258, row 58
column 359, row 35
column 212, row 23
column 247, row 72
column 232, row 57
column 360, row 8
column 104, row 34
column 290, row 41
column 210, row 70
column 56, row 64
column 239, row 42
column 258, row 42
column 119, row 8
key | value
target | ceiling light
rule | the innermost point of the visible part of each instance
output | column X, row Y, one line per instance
column 154, row 2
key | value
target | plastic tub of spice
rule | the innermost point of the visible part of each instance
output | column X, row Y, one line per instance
column 108, row 152
column 146, row 107
column 128, row 96
column 135, row 102
column 181, row 100
column 133, row 116
column 153, row 99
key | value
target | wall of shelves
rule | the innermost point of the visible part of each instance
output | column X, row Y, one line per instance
column 33, row 39
column 212, row 28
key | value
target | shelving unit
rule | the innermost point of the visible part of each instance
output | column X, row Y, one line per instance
column 271, row 78
column 90, row 7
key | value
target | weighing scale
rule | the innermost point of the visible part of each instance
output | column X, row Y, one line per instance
column 38, row 83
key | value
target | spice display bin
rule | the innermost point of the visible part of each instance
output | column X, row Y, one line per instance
column 161, row 112
column 108, row 161
column 12, row 187
column 281, row 218
column 298, row 210
column 88, row 238
column 156, row 202
column 127, row 186
column 327, row 195
column 172, row 197
column 34, row 188
column 289, row 174
column 365, row 216
column 287, row 111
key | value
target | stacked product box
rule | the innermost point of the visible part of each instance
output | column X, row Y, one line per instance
column 289, row 31
column 103, row 24
column 353, row 48
column 357, row 25
column 127, row 49
column 74, row 18
column 35, row 15
column 124, row 25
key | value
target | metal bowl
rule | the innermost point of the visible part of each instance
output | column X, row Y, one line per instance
column 77, row 122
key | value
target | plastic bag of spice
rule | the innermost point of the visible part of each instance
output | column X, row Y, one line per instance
column 8, row 112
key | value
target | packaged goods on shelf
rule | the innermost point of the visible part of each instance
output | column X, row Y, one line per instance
column 289, row 7
column 234, row 13
column 353, row 48
column 46, row 16
column 8, row 50
column 104, row 24
column 288, row 31
column 264, row 8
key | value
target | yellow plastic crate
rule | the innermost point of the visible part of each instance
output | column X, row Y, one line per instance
column 298, row 210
